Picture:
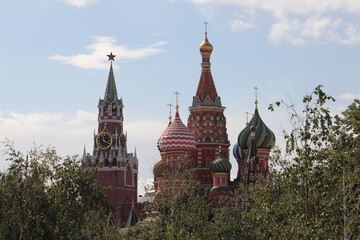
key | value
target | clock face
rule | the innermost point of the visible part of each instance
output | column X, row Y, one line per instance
column 104, row 140
column 122, row 141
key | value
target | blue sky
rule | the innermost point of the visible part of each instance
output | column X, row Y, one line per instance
column 54, row 66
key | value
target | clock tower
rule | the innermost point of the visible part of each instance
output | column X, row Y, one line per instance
column 117, row 169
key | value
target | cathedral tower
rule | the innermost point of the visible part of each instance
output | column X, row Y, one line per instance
column 117, row 168
column 256, row 141
column 206, row 120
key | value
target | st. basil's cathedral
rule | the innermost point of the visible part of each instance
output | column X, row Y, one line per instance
column 202, row 146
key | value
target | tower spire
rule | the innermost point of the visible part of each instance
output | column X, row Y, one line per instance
column 110, row 91
column 206, row 93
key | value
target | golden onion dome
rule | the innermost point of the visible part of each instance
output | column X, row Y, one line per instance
column 159, row 168
column 206, row 46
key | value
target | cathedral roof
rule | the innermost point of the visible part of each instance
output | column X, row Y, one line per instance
column 176, row 137
column 220, row 164
column 264, row 137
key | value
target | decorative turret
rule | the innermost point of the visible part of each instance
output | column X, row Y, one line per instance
column 256, row 140
column 176, row 146
column 264, row 137
column 206, row 120
column 220, row 169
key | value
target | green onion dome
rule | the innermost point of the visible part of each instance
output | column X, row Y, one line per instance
column 220, row 164
column 264, row 137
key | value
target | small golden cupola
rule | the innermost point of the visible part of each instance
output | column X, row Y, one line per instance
column 206, row 46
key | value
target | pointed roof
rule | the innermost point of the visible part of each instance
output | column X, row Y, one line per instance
column 206, row 86
column 110, row 91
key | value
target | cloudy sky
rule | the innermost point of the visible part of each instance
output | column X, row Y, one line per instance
column 54, row 66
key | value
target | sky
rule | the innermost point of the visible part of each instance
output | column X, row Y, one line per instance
column 54, row 66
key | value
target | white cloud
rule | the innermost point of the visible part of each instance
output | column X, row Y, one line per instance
column 240, row 25
column 104, row 45
column 80, row 3
column 298, row 22
column 349, row 96
column 315, row 29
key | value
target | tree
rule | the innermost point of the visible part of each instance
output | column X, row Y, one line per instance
column 319, row 181
column 43, row 196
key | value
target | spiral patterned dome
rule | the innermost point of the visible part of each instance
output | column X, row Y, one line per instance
column 264, row 137
column 176, row 137
column 238, row 152
column 220, row 164
column 159, row 168
column 206, row 46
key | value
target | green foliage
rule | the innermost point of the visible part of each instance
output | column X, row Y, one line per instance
column 45, row 197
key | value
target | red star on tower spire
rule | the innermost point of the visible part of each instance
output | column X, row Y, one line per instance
column 111, row 57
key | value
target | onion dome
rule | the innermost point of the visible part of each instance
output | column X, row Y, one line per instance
column 238, row 152
column 176, row 137
column 159, row 168
column 264, row 137
column 220, row 164
column 206, row 46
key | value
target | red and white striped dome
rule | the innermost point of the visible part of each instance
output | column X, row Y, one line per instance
column 176, row 137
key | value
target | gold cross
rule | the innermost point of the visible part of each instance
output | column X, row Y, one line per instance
column 256, row 96
column 206, row 23
column 247, row 117
column 177, row 99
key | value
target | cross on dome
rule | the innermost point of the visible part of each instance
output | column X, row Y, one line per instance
column 177, row 100
column 170, row 117
column 256, row 97
column 247, row 117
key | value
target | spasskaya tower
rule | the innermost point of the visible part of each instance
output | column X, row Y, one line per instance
column 117, row 169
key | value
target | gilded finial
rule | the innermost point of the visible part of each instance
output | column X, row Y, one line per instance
column 256, row 97
column 220, row 148
column 177, row 100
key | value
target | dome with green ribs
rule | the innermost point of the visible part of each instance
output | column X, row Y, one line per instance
column 220, row 164
column 264, row 137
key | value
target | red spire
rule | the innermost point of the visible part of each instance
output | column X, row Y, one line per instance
column 206, row 86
